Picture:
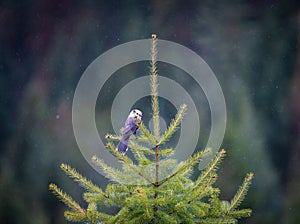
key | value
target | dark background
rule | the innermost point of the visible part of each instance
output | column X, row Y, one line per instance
column 252, row 47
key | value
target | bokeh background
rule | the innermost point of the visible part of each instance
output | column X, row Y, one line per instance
column 252, row 47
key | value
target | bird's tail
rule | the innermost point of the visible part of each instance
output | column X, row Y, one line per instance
column 122, row 147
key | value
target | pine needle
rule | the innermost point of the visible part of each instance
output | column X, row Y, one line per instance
column 146, row 133
column 173, row 125
column 66, row 199
column 112, row 173
column 112, row 137
column 85, row 183
column 240, row 213
column 138, row 148
column 240, row 195
column 212, row 167
column 154, row 87
column 74, row 216
column 187, row 164
column 219, row 221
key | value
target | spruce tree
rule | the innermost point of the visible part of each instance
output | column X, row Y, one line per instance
column 155, row 189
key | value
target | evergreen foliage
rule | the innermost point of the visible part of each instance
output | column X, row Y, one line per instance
column 155, row 189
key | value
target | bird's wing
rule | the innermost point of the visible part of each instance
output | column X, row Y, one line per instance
column 127, row 130
column 122, row 147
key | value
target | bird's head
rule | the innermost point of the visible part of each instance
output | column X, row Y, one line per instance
column 137, row 114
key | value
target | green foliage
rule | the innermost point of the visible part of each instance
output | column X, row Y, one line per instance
column 155, row 190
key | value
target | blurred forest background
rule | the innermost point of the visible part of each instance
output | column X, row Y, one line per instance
column 252, row 47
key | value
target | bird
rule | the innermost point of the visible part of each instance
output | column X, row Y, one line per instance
column 130, row 128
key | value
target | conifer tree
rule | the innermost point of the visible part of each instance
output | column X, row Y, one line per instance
column 155, row 189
